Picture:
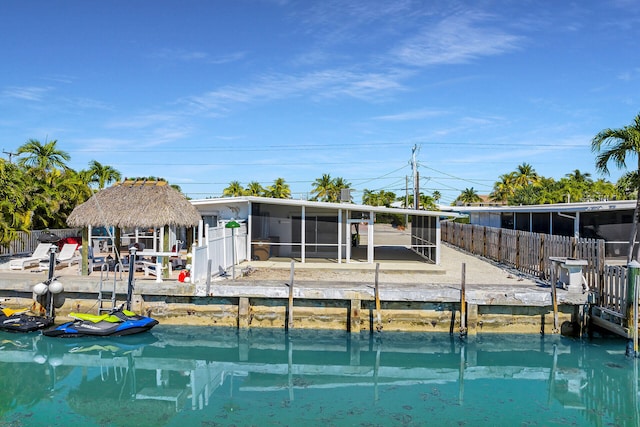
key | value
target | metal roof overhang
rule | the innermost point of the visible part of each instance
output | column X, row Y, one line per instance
column 323, row 205
column 557, row 207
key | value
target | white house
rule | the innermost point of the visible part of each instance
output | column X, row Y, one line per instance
column 307, row 229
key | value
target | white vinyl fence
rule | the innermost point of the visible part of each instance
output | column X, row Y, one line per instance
column 220, row 245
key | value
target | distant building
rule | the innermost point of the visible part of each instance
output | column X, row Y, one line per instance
column 485, row 201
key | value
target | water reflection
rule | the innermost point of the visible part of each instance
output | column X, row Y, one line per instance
column 176, row 376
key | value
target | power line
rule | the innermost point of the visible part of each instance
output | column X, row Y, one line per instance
column 453, row 176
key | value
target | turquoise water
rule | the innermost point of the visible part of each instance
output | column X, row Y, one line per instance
column 189, row 376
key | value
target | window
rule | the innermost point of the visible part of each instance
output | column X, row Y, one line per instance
column 210, row 220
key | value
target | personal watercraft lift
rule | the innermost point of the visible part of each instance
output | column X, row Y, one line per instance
column 117, row 322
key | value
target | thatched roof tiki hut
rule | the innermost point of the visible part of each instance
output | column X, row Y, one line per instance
column 133, row 204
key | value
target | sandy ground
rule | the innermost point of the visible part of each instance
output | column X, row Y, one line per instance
column 477, row 271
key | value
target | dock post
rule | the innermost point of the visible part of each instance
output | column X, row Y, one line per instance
column 472, row 319
column 635, row 321
column 354, row 316
column 290, row 306
column 377, row 292
column 631, row 307
column 554, row 298
column 208, row 282
column 463, row 302
column 244, row 308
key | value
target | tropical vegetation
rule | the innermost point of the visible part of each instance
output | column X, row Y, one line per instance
column 39, row 190
column 327, row 189
column 616, row 145
column 468, row 196
column 524, row 186
column 279, row 190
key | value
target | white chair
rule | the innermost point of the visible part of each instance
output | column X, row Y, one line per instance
column 95, row 262
column 41, row 253
column 98, row 245
column 68, row 254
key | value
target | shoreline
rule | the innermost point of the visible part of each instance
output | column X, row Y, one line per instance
column 413, row 297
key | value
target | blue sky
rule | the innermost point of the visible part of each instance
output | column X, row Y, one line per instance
column 206, row 92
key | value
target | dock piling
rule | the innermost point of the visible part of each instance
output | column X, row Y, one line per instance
column 463, row 302
column 290, row 306
column 631, row 307
column 554, row 299
column 377, row 296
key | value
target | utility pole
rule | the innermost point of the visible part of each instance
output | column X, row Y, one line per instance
column 414, row 167
column 417, row 196
column 406, row 192
column 10, row 154
column 406, row 199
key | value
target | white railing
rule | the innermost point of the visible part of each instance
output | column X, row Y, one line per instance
column 27, row 241
column 220, row 243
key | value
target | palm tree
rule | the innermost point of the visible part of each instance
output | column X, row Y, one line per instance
column 369, row 197
column 279, row 190
column 525, row 175
column 436, row 196
column 578, row 176
column 102, row 174
column 254, row 188
column 233, row 190
column 615, row 145
column 427, row 202
column 381, row 198
column 504, row 189
column 338, row 185
column 322, row 188
column 528, row 195
column 43, row 157
column 468, row 196
column 14, row 215
column 67, row 191
column 628, row 184
column 602, row 190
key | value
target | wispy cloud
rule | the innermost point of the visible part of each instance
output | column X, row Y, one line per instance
column 456, row 39
column 141, row 121
column 31, row 93
column 196, row 56
column 337, row 22
column 319, row 84
column 411, row 115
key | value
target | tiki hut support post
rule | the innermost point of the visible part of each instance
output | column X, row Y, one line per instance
column 165, row 248
column 117, row 242
column 85, row 251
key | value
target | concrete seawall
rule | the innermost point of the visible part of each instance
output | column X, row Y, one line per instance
column 413, row 296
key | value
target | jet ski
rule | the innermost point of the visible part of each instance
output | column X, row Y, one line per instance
column 46, row 294
column 117, row 323
column 22, row 320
